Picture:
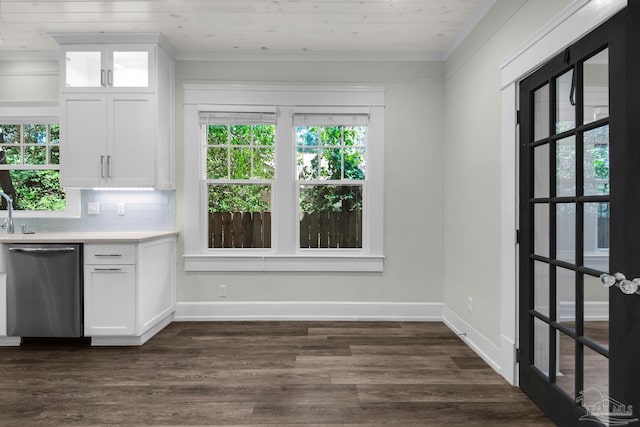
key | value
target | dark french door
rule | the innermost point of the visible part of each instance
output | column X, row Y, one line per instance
column 579, row 323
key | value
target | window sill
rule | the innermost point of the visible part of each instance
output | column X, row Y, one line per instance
column 275, row 263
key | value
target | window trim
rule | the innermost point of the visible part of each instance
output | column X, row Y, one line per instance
column 45, row 112
column 286, row 100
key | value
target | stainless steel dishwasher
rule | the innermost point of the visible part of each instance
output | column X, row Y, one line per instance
column 44, row 290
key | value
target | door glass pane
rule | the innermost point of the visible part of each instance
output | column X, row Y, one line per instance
column 131, row 69
column 541, row 113
column 541, row 229
column 596, row 87
column 596, row 236
column 541, row 287
column 541, row 171
column 541, row 345
column 596, row 380
column 596, row 161
column 83, row 69
column 596, row 311
column 565, row 103
column 566, row 297
column 566, row 363
column 566, row 167
column 566, row 232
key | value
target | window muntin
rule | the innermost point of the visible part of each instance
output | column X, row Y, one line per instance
column 239, row 171
column 240, row 151
column 330, row 152
column 30, row 166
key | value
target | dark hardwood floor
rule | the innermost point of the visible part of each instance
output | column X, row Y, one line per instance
column 263, row 374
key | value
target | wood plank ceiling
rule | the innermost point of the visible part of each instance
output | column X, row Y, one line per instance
column 427, row 27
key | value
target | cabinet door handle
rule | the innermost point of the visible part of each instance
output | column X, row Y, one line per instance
column 108, row 166
column 110, row 77
column 110, row 255
column 102, row 78
column 107, row 269
column 102, row 167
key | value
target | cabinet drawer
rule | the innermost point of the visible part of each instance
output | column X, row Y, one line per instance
column 109, row 254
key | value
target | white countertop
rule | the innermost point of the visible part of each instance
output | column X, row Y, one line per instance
column 85, row 237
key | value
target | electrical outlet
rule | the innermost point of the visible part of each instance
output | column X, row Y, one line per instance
column 469, row 304
column 121, row 210
column 222, row 291
column 93, row 208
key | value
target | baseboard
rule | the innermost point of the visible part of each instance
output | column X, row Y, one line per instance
column 594, row 311
column 285, row 310
column 474, row 339
column 134, row 340
column 9, row 341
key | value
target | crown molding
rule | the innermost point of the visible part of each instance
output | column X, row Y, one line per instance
column 29, row 56
column 313, row 56
column 115, row 38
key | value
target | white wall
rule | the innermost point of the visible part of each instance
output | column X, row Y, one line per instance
column 28, row 81
column 472, row 153
column 413, row 190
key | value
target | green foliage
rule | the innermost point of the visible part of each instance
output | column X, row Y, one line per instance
column 28, row 144
column 330, row 198
column 240, row 152
column 330, row 153
column 240, row 198
column 38, row 190
column 247, row 152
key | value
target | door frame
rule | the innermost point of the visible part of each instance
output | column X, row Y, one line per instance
column 575, row 21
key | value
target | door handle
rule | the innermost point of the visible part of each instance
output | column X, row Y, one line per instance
column 620, row 281
column 108, row 166
column 102, row 78
column 110, row 78
column 102, row 167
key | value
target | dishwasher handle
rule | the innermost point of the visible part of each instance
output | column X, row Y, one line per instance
column 63, row 250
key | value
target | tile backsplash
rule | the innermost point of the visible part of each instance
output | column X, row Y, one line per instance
column 143, row 211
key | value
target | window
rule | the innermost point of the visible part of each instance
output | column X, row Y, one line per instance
column 30, row 162
column 239, row 166
column 288, row 178
column 30, row 166
column 330, row 171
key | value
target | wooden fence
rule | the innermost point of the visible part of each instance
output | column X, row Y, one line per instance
column 331, row 229
column 240, row 229
column 317, row 229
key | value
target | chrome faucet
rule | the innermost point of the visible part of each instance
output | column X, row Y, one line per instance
column 8, row 223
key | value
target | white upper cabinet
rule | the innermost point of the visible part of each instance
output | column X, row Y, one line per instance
column 95, row 67
column 116, row 98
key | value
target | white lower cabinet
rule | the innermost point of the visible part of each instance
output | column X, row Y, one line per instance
column 110, row 296
column 129, row 290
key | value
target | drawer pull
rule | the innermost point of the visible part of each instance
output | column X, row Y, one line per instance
column 108, row 255
column 107, row 269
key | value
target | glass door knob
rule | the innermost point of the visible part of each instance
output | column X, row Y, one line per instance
column 629, row 287
column 607, row 280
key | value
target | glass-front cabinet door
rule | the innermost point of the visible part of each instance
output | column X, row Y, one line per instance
column 108, row 68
